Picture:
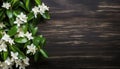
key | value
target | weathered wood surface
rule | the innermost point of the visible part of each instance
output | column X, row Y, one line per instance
column 82, row 34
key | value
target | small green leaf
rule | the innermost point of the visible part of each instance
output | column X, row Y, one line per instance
column 10, row 16
column 12, row 48
column 1, row 34
column 25, row 28
column 16, row 12
column 36, row 41
column 46, row 15
column 30, row 16
column 27, row 4
column 39, row 41
column 2, row 17
column 5, row 55
column 22, row 5
column 14, row 2
column 36, row 56
column 21, row 40
column 9, row 13
column 1, row 12
column 38, row 2
column 42, row 40
column 43, row 53
column 11, row 20
column 13, row 30
column 33, row 29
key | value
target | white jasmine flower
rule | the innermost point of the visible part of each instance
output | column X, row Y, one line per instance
column 8, row 61
column 22, row 67
column 18, row 22
column 5, row 66
column 18, row 62
column 35, row 11
column 21, row 34
column 26, row 61
column 3, row 46
column 40, row 9
column 7, row 39
column 11, row 41
column 22, row 63
column 2, row 25
column 31, row 49
column 43, row 8
column 6, row 5
column 14, row 55
column 29, row 35
column 22, row 17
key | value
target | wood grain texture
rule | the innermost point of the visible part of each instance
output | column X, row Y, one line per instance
column 82, row 34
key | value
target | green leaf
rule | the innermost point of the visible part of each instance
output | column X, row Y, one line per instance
column 5, row 55
column 36, row 41
column 39, row 41
column 36, row 56
column 12, row 48
column 9, row 13
column 33, row 29
column 1, row 34
column 25, row 28
column 10, row 16
column 14, row 2
column 21, row 40
column 43, row 53
column 46, row 15
column 11, row 20
column 1, row 12
column 38, row 2
column 13, row 30
column 27, row 4
column 16, row 12
column 42, row 40
column 2, row 17
column 22, row 5
column 30, row 16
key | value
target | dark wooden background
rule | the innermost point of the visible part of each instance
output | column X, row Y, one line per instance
column 82, row 34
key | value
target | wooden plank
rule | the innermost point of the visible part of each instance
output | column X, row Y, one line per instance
column 81, row 37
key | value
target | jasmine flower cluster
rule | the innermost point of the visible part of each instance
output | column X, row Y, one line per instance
column 21, row 19
column 40, row 9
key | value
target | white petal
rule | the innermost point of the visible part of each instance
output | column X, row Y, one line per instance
column 14, row 55
column 6, row 5
column 26, row 61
